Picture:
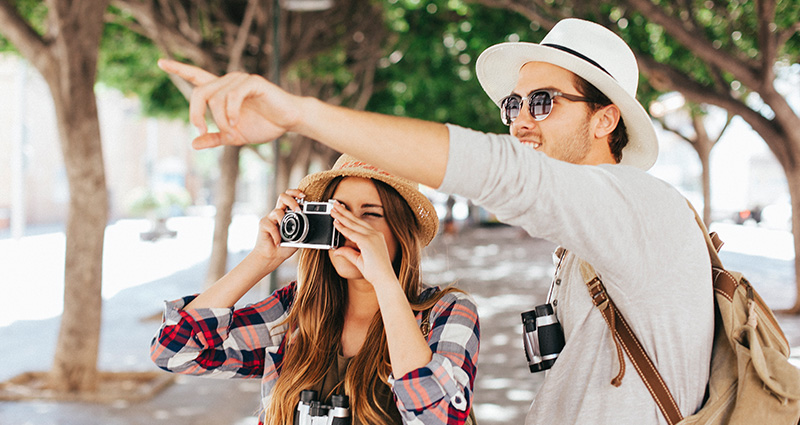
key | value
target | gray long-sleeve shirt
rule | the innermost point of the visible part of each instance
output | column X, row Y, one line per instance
column 642, row 239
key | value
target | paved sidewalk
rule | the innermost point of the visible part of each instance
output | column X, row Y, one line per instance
column 505, row 270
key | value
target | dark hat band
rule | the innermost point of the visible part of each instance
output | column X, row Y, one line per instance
column 574, row 53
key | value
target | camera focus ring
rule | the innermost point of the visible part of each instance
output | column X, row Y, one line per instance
column 294, row 227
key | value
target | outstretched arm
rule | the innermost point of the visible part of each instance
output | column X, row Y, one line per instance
column 249, row 109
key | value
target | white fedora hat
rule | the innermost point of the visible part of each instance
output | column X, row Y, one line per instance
column 594, row 53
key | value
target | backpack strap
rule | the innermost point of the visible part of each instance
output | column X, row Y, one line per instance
column 713, row 242
column 625, row 338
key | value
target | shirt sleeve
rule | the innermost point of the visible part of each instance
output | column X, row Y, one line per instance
column 223, row 342
column 441, row 391
column 603, row 214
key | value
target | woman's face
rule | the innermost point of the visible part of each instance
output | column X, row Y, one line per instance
column 360, row 197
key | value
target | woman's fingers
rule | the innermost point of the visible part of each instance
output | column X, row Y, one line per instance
column 268, row 226
column 358, row 231
column 289, row 198
column 286, row 200
column 350, row 221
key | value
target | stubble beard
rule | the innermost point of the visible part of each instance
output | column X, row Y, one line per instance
column 575, row 148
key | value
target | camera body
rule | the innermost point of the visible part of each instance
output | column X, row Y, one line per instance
column 312, row 227
column 311, row 411
column 542, row 336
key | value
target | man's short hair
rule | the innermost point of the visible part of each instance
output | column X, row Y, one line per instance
column 597, row 100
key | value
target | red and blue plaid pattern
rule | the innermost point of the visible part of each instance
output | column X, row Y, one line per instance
column 248, row 343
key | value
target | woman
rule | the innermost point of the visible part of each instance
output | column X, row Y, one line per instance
column 357, row 322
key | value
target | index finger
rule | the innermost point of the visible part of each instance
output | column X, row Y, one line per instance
column 195, row 75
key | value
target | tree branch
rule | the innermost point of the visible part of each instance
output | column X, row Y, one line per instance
column 673, row 130
column 235, row 62
column 728, row 119
column 766, row 41
column 14, row 27
column 527, row 9
column 666, row 78
column 166, row 36
column 785, row 35
column 696, row 41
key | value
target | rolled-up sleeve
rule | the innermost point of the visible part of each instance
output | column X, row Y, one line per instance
column 221, row 342
column 441, row 391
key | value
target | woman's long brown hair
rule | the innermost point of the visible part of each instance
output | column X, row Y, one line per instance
column 316, row 320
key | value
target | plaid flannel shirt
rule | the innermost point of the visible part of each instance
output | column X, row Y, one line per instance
column 248, row 343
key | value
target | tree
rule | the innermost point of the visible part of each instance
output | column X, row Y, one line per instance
column 64, row 50
column 239, row 36
column 696, row 134
column 725, row 53
column 429, row 73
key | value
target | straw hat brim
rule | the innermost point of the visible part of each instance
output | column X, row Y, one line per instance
column 315, row 184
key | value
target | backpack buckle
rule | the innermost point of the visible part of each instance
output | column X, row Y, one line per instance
column 598, row 293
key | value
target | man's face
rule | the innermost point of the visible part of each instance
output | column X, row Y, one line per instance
column 565, row 134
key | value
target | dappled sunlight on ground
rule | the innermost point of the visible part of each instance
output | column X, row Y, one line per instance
column 506, row 271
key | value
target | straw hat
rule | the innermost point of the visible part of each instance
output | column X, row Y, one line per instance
column 592, row 52
column 313, row 185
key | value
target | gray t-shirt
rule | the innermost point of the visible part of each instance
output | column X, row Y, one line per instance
column 640, row 236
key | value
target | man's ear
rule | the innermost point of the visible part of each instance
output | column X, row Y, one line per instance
column 606, row 120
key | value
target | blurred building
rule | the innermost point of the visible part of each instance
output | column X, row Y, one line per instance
column 139, row 152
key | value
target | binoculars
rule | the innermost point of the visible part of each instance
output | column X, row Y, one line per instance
column 310, row 411
column 542, row 336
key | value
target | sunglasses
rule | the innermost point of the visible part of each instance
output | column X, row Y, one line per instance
column 540, row 104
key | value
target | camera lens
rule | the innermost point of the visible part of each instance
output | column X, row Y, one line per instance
column 294, row 227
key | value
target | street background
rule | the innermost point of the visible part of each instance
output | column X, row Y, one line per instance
column 505, row 270
column 712, row 85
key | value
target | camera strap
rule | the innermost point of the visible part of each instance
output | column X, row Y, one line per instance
column 625, row 339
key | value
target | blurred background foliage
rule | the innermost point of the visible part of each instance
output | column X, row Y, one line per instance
column 427, row 71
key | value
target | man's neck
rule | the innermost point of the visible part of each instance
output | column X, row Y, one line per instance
column 600, row 154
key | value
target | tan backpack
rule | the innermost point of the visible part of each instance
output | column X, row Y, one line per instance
column 751, row 380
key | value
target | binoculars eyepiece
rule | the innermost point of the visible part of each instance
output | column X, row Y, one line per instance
column 310, row 411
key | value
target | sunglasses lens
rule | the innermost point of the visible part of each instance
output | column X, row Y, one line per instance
column 541, row 105
column 509, row 108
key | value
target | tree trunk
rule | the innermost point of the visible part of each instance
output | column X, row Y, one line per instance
column 284, row 171
column 704, row 160
column 224, row 200
column 793, row 178
column 703, row 145
column 71, row 79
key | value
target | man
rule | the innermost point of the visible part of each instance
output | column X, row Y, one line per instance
column 571, row 172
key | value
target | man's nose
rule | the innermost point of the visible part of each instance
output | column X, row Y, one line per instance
column 524, row 119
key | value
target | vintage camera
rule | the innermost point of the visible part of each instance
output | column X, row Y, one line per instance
column 311, row 412
column 312, row 227
column 542, row 336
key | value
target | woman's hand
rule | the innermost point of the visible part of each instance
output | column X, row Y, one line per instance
column 247, row 108
column 372, row 256
column 408, row 349
column 264, row 259
column 269, row 236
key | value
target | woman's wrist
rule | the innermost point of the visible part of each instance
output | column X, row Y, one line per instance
column 260, row 263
